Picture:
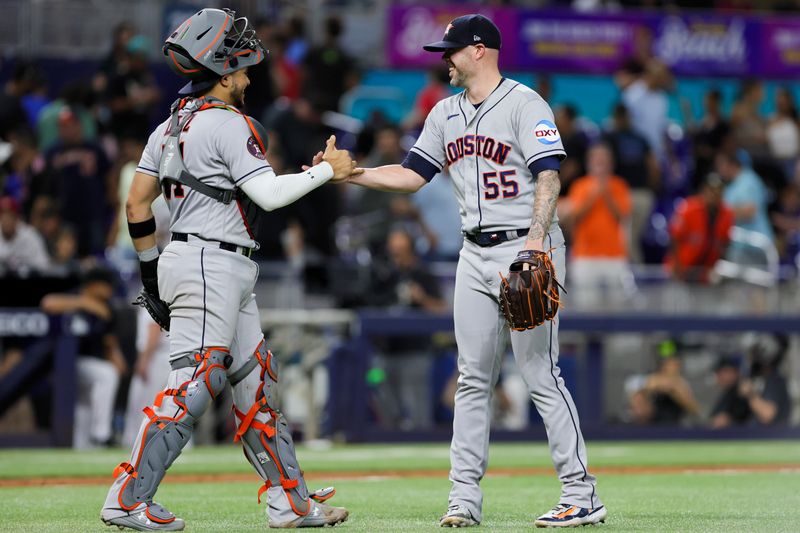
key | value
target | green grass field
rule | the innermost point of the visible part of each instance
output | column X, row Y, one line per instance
column 678, row 486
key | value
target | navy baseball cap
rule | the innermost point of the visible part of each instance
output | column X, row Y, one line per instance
column 465, row 31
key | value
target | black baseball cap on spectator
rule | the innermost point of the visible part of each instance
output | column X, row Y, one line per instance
column 98, row 274
column 728, row 361
column 467, row 30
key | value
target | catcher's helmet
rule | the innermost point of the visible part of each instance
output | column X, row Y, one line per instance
column 210, row 44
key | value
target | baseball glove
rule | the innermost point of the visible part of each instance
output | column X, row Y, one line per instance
column 158, row 308
column 529, row 295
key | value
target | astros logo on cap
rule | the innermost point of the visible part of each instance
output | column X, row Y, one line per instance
column 449, row 27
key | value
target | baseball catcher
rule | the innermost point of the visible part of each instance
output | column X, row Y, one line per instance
column 208, row 160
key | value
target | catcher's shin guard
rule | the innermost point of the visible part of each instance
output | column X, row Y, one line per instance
column 162, row 438
column 264, row 433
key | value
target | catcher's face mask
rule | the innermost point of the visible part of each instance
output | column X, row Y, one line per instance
column 210, row 44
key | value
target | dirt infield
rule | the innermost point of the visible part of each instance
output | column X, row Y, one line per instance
column 248, row 477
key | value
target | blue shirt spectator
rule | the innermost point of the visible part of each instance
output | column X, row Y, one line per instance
column 749, row 197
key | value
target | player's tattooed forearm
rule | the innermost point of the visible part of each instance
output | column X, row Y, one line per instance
column 548, row 185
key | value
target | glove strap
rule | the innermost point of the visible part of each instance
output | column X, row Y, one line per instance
column 526, row 255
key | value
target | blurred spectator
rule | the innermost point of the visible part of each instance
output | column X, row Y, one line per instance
column 29, row 83
column 783, row 133
column 119, row 183
column 47, row 221
column 437, row 88
column 149, row 373
column 21, row 247
column 76, row 95
column 404, row 282
column 544, row 86
column 386, row 148
column 765, row 389
column 644, row 89
column 763, row 397
column 575, row 141
column 700, row 230
column 382, row 211
column 636, row 164
column 262, row 90
column 23, row 168
column 65, row 252
column 285, row 73
column 328, row 68
column 100, row 362
column 297, row 46
column 132, row 91
column 438, row 208
column 730, row 408
column 598, row 214
column 665, row 396
column 301, row 132
column 77, row 179
column 25, row 79
column 709, row 135
column 786, row 220
column 748, row 197
column 749, row 128
column 117, row 55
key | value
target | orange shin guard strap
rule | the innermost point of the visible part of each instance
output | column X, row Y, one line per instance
column 287, row 484
column 124, row 467
column 248, row 419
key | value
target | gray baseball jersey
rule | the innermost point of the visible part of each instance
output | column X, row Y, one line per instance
column 223, row 160
column 491, row 154
column 487, row 151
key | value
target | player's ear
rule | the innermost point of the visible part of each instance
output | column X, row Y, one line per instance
column 226, row 80
column 480, row 51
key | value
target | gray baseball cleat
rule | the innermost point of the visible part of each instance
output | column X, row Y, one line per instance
column 319, row 515
column 565, row 515
column 457, row 516
column 150, row 517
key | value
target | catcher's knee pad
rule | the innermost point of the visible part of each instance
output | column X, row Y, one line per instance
column 265, row 435
column 163, row 437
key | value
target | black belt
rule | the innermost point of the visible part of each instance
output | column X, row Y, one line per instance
column 492, row 238
column 229, row 246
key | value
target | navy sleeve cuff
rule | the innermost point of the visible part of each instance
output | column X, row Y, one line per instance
column 550, row 162
column 420, row 165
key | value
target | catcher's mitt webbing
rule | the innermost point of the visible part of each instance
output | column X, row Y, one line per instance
column 530, row 296
column 155, row 306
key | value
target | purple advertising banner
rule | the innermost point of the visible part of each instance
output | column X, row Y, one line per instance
column 409, row 27
column 780, row 50
column 695, row 44
column 707, row 44
column 562, row 41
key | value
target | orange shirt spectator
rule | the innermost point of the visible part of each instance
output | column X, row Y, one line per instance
column 699, row 229
column 599, row 206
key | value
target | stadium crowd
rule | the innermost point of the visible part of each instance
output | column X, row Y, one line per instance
column 66, row 162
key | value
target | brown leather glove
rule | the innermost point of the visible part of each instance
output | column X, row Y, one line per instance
column 530, row 293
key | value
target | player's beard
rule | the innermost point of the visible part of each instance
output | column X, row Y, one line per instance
column 457, row 78
column 237, row 95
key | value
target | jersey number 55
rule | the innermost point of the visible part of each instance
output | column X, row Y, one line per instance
column 496, row 184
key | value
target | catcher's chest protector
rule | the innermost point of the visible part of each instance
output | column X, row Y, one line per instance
column 172, row 168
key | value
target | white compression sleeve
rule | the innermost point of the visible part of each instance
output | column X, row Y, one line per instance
column 270, row 192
